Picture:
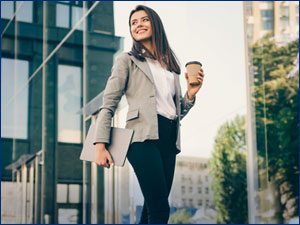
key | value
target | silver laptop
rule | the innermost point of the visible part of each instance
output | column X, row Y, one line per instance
column 119, row 145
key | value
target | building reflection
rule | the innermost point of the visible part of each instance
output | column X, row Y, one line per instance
column 271, row 28
column 56, row 57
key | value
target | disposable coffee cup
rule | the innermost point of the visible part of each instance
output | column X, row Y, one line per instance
column 193, row 68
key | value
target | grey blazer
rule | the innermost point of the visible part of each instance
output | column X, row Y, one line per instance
column 133, row 78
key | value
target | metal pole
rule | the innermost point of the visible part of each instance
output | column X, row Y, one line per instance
column 252, row 169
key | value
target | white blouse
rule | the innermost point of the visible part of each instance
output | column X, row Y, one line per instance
column 165, row 89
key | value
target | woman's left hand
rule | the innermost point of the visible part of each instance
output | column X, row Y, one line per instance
column 193, row 89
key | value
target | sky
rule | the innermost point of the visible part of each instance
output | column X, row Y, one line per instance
column 212, row 33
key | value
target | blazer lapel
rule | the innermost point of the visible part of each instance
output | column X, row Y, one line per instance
column 144, row 67
column 147, row 71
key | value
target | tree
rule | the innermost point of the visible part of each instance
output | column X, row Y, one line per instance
column 276, row 99
column 181, row 216
column 228, row 170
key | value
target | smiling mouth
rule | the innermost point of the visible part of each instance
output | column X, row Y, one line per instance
column 141, row 31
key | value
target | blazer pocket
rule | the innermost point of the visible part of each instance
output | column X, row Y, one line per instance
column 132, row 114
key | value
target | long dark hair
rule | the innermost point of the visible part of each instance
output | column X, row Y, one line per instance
column 163, row 52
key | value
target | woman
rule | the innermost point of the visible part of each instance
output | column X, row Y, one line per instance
column 148, row 76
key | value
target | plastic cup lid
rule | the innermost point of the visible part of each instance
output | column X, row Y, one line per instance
column 193, row 62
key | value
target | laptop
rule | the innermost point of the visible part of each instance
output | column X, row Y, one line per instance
column 120, row 140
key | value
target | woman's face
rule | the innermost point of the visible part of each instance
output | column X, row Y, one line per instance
column 141, row 28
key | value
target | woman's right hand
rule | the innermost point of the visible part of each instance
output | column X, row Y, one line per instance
column 103, row 157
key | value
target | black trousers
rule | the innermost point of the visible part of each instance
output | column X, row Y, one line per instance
column 153, row 162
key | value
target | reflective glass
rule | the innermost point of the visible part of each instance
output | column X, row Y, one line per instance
column 14, row 116
column 267, row 19
column 68, row 216
column 76, row 16
column 74, row 193
column 69, row 102
column 25, row 13
column 273, row 84
column 62, row 15
column 7, row 9
column 62, row 193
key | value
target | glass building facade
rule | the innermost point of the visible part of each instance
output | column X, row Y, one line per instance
column 272, row 57
column 56, row 58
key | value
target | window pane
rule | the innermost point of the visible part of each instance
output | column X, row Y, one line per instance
column 7, row 91
column 267, row 19
column 62, row 15
column 74, row 193
column 69, row 103
column 25, row 12
column 207, row 203
column 284, row 16
column 68, row 216
column 9, row 116
column 7, row 9
column 22, row 72
column 284, row 22
column 7, row 79
column 77, row 13
column 200, row 202
column 62, row 191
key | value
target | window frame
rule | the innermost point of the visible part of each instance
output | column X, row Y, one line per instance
column 29, row 60
column 71, row 5
column 14, row 11
column 66, row 63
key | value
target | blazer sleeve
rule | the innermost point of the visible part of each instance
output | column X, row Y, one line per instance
column 114, row 90
column 185, row 104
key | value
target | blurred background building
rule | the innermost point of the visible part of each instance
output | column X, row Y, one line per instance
column 280, row 18
column 56, row 58
column 192, row 188
column 192, row 183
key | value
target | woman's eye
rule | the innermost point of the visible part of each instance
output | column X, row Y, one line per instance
column 145, row 19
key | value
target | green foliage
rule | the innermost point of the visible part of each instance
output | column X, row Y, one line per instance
column 276, row 100
column 181, row 216
column 228, row 170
